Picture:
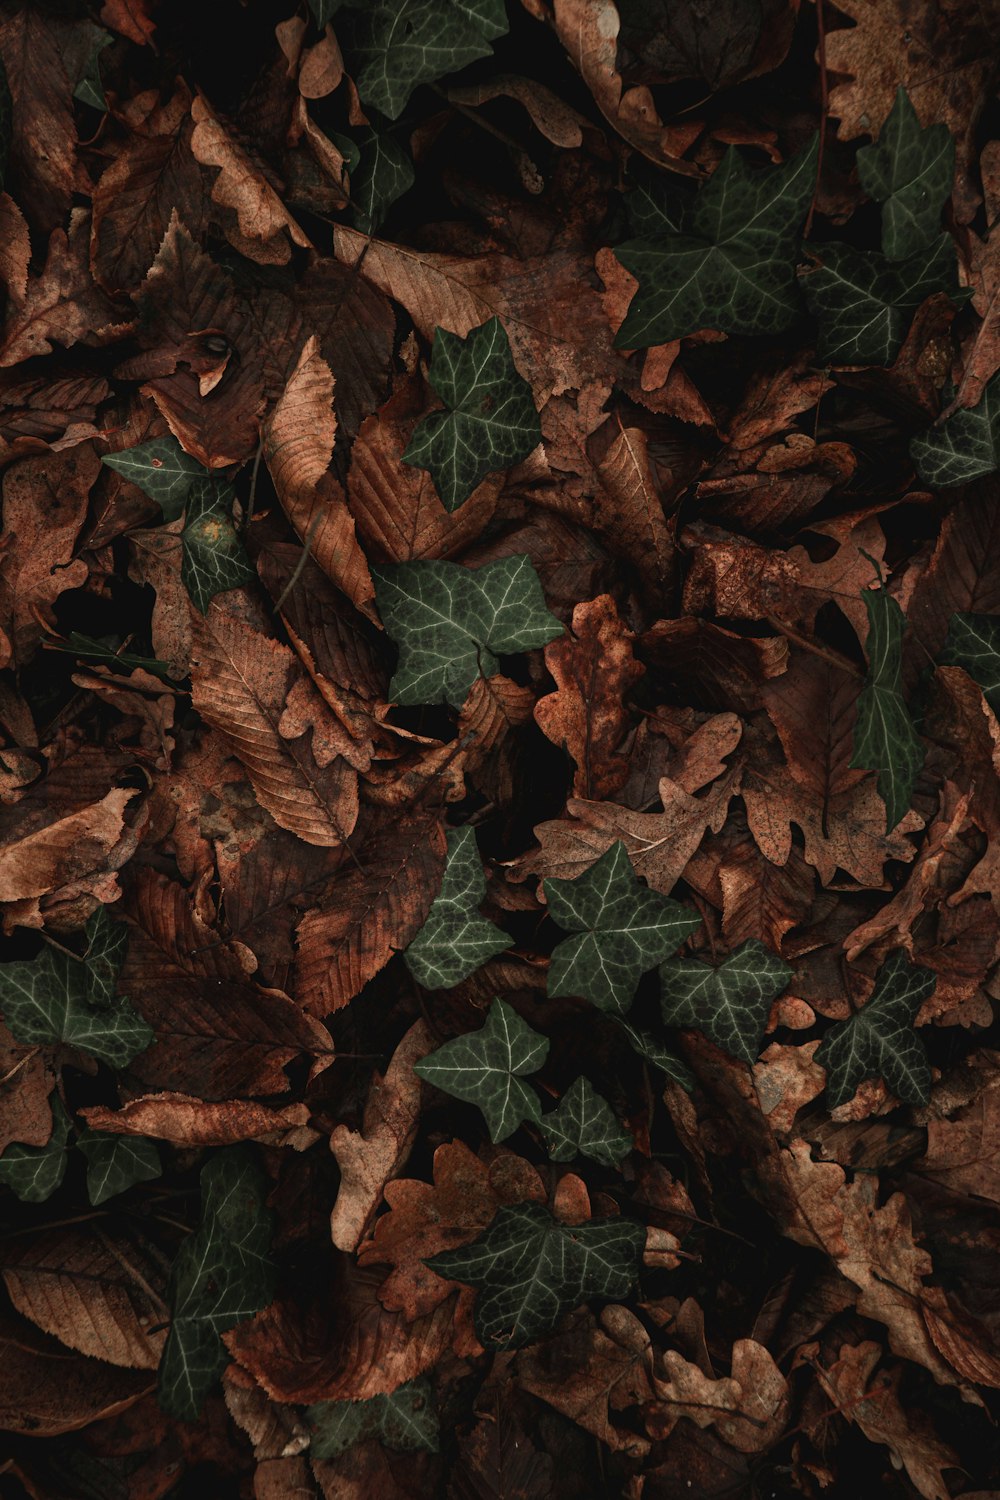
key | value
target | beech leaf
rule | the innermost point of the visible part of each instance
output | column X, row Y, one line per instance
column 116, row 1162
column 45, row 1001
column 484, row 1067
column 584, row 1125
column 405, row 1420
column 455, row 940
column 394, row 47
column 490, row 422
column 161, row 469
column 622, row 929
column 729, row 1004
column 451, row 622
column 909, row 170
column 879, row 1041
column 34, row 1172
column 885, row 739
column 529, row 1269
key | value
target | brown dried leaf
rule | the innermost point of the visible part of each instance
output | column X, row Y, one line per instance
column 748, row 1408
column 184, row 1120
column 47, row 1390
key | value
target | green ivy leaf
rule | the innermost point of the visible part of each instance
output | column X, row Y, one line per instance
column 383, row 173
column 222, row 1275
column 530, row 1269
column 585, row 1125
column 879, row 1041
column 963, row 448
column 161, row 469
column 484, row 1067
column 449, row 621
column 106, row 944
column 455, row 940
column 89, row 89
column 884, row 737
column 658, row 1055
column 116, row 1162
column 730, row 1004
column 973, row 642
column 732, row 265
column 92, row 649
column 34, row 1172
column 865, row 303
column 395, row 46
column 213, row 558
column 44, row 1001
column 623, row 928
column 406, row 1420
column 491, row 421
column 910, row 172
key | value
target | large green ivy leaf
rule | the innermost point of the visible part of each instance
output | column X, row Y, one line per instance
column 865, row 303
column 909, row 171
column 732, row 266
column 116, row 1162
column 585, row 1125
column 44, row 1001
column 34, row 1172
column 405, row 1420
column 963, row 448
column 455, row 939
column 484, row 1067
column 884, row 737
column 973, row 642
column 213, row 558
column 530, row 1269
column 384, row 173
column 622, row 929
column 161, row 469
column 490, row 422
column 879, row 1041
column 222, row 1275
column 394, row 45
column 729, row 1004
column 106, row 944
column 451, row 622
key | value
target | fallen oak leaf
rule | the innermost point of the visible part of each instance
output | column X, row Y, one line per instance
column 748, row 1408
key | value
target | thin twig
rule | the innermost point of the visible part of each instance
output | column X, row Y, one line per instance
column 297, row 571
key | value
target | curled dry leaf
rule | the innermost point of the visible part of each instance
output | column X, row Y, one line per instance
column 187, row 1121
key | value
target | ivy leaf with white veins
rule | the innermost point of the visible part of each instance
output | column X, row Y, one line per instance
column 222, row 1275
column 974, row 643
column 106, row 944
column 585, row 1125
column 530, row 1269
column 455, row 940
column 963, row 448
column 884, row 737
column 909, row 170
column 116, row 1162
column 732, row 266
column 450, row 623
column 44, row 1001
column 34, row 1172
column 405, row 1421
column 730, row 1004
column 491, row 421
column 213, row 559
column 384, row 173
column 879, row 1041
column 483, row 1067
column 623, row 928
column 394, row 45
column 161, row 469
column 865, row 303
column 660, row 1056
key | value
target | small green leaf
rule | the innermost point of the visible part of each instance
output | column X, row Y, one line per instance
column 865, row 303
column 879, row 1041
column 213, row 558
column 222, row 1275
column 89, row 89
column 623, row 929
column 730, row 1004
column 116, row 1162
column 910, row 172
column 161, row 469
column 530, row 1269
column 106, row 944
column 484, row 1067
column 491, row 421
column 449, row 621
column 974, row 643
column 455, row 940
column 34, row 1172
column 884, row 738
column 732, row 264
column 963, row 448
column 393, row 47
column 383, row 173
column 406, row 1420
column 585, row 1125
column 90, row 648
column 44, row 1001
column 660, row 1056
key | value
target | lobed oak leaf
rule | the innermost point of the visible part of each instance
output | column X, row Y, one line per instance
column 748, row 1408
column 63, row 305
